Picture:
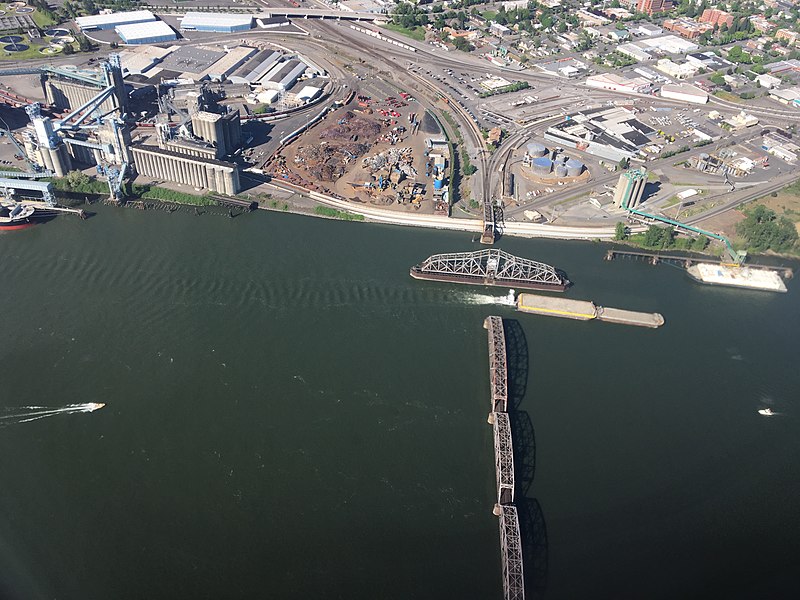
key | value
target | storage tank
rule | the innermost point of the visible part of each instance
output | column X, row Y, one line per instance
column 438, row 183
column 535, row 149
column 542, row 166
column 574, row 167
column 561, row 171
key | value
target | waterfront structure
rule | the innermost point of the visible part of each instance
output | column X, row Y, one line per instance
column 630, row 188
column 201, row 173
column 150, row 32
column 216, row 22
column 111, row 21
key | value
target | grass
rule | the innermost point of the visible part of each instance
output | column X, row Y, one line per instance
column 90, row 186
column 42, row 20
column 146, row 192
column 415, row 33
column 727, row 96
column 332, row 213
column 489, row 15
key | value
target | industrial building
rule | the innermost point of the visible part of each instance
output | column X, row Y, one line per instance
column 202, row 173
column 611, row 133
column 224, row 132
column 217, row 22
column 283, row 75
column 113, row 20
column 617, row 83
column 630, row 188
column 150, row 32
column 685, row 92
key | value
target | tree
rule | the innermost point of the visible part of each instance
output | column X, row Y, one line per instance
column 624, row 163
column 763, row 230
column 620, row 232
column 77, row 179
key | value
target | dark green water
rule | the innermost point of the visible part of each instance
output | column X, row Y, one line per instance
column 289, row 415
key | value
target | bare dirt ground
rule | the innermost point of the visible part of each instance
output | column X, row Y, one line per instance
column 338, row 154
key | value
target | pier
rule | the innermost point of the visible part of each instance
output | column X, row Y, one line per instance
column 655, row 258
column 506, row 511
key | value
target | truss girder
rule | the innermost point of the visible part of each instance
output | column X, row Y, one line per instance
column 503, row 458
column 492, row 264
column 511, row 547
column 498, row 370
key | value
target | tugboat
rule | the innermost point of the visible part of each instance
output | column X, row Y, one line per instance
column 17, row 216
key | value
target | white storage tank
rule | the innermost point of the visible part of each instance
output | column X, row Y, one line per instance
column 574, row 167
column 561, row 171
column 535, row 149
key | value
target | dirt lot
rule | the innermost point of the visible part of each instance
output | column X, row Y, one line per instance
column 369, row 151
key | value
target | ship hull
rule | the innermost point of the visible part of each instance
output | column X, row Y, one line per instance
column 551, row 287
column 16, row 226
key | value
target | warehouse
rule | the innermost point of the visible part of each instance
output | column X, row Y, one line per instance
column 283, row 75
column 100, row 22
column 685, row 92
column 146, row 33
column 217, row 22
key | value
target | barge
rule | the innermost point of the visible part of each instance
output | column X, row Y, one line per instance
column 584, row 310
column 735, row 276
column 492, row 267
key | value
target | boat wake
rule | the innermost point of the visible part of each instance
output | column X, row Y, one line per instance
column 507, row 300
column 26, row 414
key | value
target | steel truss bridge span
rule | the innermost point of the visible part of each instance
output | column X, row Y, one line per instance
column 490, row 267
column 510, row 539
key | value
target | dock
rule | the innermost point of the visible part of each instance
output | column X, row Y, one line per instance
column 655, row 258
column 585, row 310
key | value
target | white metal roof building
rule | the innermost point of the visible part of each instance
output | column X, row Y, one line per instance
column 685, row 92
column 219, row 22
column 112, row 20
column 146, row 33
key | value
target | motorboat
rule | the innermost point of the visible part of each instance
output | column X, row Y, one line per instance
column 767, row 412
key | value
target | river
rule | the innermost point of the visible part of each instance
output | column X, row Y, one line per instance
column 289, row 415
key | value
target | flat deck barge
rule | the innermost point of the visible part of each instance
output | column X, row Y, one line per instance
column 733, row 276
column 584, row 310
column 492, row 267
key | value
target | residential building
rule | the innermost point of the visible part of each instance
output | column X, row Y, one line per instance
column 788, row 35
column 688, row 28
column 652, row 7
column 761, row 24
column 716, row 17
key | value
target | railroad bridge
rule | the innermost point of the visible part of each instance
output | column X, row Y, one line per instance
column 491, row 266
column 510, row 538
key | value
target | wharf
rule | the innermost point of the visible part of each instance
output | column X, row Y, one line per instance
column 584, row 310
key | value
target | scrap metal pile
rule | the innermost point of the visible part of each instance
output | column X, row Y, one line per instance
column 392, row 159
column 350, row 127
column 328, row 161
